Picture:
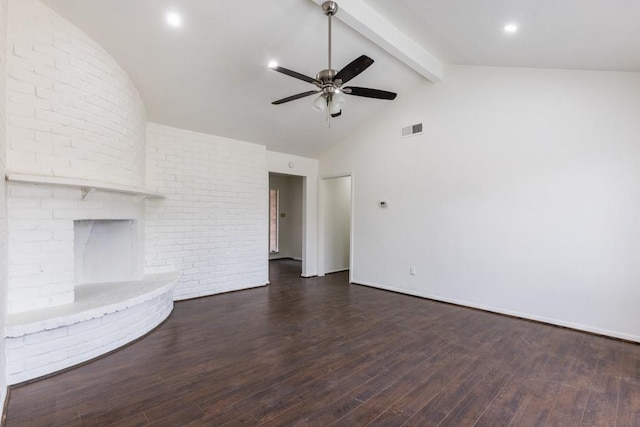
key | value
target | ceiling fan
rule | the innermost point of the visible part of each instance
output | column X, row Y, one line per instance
column 330, row 82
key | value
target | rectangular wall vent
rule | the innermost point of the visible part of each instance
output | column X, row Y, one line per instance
column 412, row 130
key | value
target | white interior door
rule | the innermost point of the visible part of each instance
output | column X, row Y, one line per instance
column 336, row 224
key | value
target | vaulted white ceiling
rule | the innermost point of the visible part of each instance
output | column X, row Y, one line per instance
column 211, row 75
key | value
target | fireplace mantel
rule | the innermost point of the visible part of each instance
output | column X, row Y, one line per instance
column 87, row 186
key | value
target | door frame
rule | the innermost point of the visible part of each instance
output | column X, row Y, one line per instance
column 304, row 234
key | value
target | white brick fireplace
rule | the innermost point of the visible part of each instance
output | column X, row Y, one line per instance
column 43, row 221
column 76, row 251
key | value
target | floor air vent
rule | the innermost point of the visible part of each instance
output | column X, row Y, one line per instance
column 412, row 130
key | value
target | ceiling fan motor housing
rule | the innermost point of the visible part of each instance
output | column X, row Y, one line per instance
column 326, row 76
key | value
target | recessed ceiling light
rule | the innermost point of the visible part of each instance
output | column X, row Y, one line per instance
column 174, row 19
column 273, row 64
column 510, row 28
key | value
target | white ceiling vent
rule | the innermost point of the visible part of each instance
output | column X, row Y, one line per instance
column 412, row 130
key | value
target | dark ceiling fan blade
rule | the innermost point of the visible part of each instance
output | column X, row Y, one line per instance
column 354, row 68
column 338, row 114
column 369, row 93
column 296, row 75
column 294, row 97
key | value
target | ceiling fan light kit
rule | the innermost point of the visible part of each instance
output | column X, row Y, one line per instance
column 329, row 82
column 320, row 104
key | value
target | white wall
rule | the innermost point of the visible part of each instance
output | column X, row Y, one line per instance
column 3, row 206
column 336, row 223
column 522, row 195
column 308, row 169
column 72, row 111
column 212, row 227
column 290, row 226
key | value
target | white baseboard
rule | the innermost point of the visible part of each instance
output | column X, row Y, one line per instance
column 542, row 319
column 219, row 291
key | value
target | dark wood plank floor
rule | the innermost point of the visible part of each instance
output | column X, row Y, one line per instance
column 322, row 352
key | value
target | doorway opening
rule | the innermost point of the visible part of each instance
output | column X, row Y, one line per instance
column 286, row 208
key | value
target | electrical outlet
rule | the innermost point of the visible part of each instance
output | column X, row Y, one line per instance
column 412, row 271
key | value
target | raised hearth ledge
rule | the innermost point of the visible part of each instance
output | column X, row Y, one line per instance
column 89, row 186
column 91, row 301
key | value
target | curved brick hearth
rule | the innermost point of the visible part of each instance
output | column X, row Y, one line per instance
column 102, row 318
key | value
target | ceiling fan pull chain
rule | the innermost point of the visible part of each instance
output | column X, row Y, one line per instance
column 327, row 114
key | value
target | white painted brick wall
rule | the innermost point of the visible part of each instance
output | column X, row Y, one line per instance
column 41, row 239
column 3, row 206
column 42, row 353
column 72, row 111
column 212, row 227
